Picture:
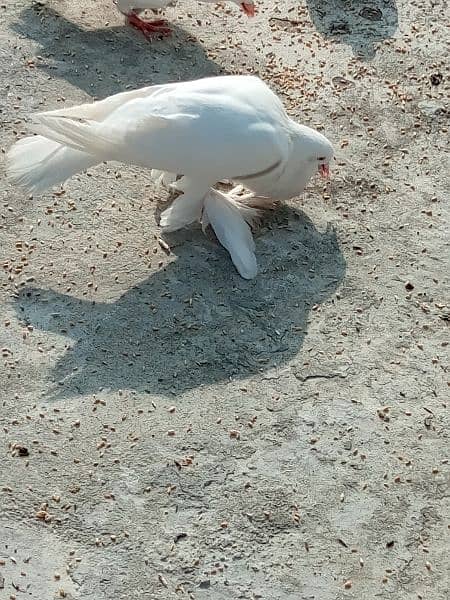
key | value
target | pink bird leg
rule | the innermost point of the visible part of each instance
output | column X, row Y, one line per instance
column 150, row 29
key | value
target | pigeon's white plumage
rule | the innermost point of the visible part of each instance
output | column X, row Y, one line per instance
column 132, row 9
column 231, row 127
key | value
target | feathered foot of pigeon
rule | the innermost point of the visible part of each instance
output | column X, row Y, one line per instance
column 251, row 207
column 231, row 221
column 163, row 179
column 231, row 215
column 150, row 29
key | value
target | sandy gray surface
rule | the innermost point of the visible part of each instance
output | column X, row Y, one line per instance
column 170, row 430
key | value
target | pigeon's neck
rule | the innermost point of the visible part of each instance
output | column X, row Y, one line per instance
column 290, row 176
column 300, row 166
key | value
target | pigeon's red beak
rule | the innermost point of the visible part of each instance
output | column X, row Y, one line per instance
column 324, row 170
column 249, row 9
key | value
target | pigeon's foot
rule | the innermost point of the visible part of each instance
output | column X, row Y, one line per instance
column 250, row 206
column 150, row 29
column 249, row 199
column 262, row 203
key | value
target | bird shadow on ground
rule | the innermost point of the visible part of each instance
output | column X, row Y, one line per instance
column 362, row 25
column 195, row 322
column 106, row 61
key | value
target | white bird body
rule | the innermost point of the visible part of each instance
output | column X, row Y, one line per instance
column 231, row 127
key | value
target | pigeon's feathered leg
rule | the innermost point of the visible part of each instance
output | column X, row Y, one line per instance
column 187, row 208
column 249, row 205
column 163, row 178
column 230, row 223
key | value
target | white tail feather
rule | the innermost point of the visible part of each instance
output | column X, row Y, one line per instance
column 37, row 163
column 84, row 136
column 104, row 139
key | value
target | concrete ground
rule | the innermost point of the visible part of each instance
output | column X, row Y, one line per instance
column 170, row 430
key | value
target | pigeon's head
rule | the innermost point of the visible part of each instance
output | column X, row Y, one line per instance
column 319, row 151
column 310, row 152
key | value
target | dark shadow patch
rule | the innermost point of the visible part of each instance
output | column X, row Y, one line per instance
column 196, row 322
column 362, row 25
column 109, row 60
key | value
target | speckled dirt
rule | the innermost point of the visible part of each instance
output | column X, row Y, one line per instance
column 170, row 430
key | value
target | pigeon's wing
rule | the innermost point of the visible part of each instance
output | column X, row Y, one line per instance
column 100, row 110
column 232, row 231
column 201, row 128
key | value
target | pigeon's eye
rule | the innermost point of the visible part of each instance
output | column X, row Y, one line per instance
column 322, row 158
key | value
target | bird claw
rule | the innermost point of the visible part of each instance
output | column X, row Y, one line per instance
column 251, row 207
column 239, row 194
column 150, row 29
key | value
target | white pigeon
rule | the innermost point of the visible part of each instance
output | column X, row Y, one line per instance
column 133, row 8
column 192, row 135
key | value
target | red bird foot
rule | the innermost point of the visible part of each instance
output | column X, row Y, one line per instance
column 150, row 28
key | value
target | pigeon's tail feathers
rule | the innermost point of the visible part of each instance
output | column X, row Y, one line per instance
column 80, row 134
column 37, row 163
column 107, row 140
column 232, row 231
